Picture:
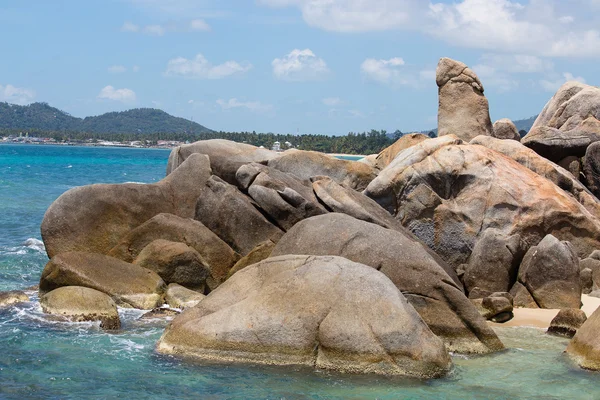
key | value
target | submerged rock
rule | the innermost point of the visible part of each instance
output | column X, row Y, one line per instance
column 79, row 304
column 111, row 211
column 463, row 109
column 326, row 312
column 567, row 322
column 12, row 297
column 129, row 285
column 426, row 281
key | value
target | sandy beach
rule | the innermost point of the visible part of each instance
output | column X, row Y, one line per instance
column 539, row 318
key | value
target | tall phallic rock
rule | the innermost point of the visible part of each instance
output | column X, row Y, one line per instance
column 463, row 109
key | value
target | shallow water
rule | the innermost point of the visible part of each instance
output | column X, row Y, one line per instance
column 41, row 358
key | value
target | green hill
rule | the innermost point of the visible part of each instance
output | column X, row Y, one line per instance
column 43, row 117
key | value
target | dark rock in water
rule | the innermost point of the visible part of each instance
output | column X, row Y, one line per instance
column 175, row 262
column 285, row 198
column 584, row 348
column 79, row 304
column 573, row 165
column 127, row 284
column 12, row 297
column 550, row 272
column 566, row 322
column 160, row 312
column 226, row 157
column 449, row 193
column 259, row 253
column 111, row 211
column 426, row 281
column 215, row 252
column 177, row 296
column 591, row 168
column 586, row 280
column 463, row 109
column 323, row 312
column 388, row 154
column 493, row 264
column 233, row 217
column 308, row 164
column 505, row 129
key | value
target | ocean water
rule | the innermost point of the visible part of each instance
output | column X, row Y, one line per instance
column 41, row 358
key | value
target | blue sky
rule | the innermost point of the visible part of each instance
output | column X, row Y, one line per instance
column 287, row 66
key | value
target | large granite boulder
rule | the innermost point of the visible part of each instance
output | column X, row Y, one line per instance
column 463, row 109
column 550, row 272
column 567, row 322
column 12, row 297
column 543, row 167
column 448, row 193
column 175, row 262
column 217, row 254
column 427, row 282
column 225, row 156
column 308, row 164
column 591, row 168
column 285, row 198
column 79, row 304
column 388, row 154
column 129, row 285
column 259, row 253
column 505, row 129
column 233, row 216
column 323, row 312
column 584, row 348
column 94, row 218
column 177, row 296
column 556, row 145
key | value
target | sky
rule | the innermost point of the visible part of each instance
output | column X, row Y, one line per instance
column 292, row 66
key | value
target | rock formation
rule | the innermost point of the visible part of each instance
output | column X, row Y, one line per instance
column 567, row 322
column 505, row 129
column 584, row 348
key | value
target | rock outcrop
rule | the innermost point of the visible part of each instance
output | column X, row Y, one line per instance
column 591, row 168
column 463, row 109
column 326, row 312
column 428, row 284
column 505, row 129
column 177, row 296
column 129, row 285
column 567, row 322
column 584, row 348
column 111, row 211
column 388, row 154
column 550, row 272
column 259, row 253
column 79, row 304
column 12, row 297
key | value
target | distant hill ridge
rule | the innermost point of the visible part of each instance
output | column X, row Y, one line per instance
column 43, row 117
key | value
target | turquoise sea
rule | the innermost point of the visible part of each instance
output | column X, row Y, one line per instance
column 40, row 358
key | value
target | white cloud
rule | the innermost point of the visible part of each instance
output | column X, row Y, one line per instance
column 194, row 25
column 555, row 84
column 16, row 95
column 135, row 68
column 200, row 68
column 254, row 106
column 156, row 30
column 117, row 69
column 427, row 75
column 331, row 101
column 385, row 71
column 199, row 25
column 123, row 95
column 300, row 65
column 190, row 101
column 130, row 27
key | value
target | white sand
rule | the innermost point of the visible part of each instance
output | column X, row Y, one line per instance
column 539, row 318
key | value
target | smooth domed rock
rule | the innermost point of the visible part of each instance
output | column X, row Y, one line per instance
column 177, row 296
column 493, row 264
column 175, row 262
column 285, row 198
column 79, row 304
column 505, row 129
column 233, row 217
column 499, row 307
column 308, row 164
column 567, row 322
column 94, row 218
column 259, row 253
column 427, row 283
column 12, row 297
column 347, row 201
column 562, row 95
column 586, row 280
column 323, row 312
column 584, row 348
column 463, row 109
column 572, row 164
column 127, row 284
column 214, row 251
column 226, row 156
column 388, row 154
column 543, row 167
column 591, row 168
column 550, row 272
column 448, row 193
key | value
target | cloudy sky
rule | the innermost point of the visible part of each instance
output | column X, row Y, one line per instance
column 286, row 66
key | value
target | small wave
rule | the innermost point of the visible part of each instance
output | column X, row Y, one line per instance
column 69, row 166
column 34, row 244
column 137, row 183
